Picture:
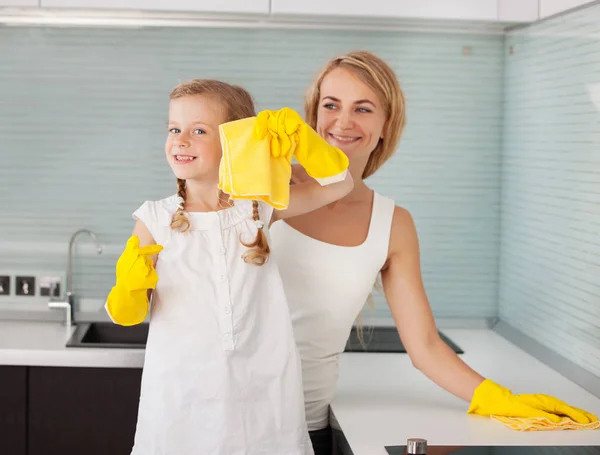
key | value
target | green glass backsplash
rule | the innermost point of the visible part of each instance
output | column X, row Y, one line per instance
column 82, row 130
column 550, row 249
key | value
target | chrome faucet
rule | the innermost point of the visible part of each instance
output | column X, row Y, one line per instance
column 69, row 303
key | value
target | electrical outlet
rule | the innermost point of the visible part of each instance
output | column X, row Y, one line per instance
column 4, row 285
column 50, row 286
column 25, row 286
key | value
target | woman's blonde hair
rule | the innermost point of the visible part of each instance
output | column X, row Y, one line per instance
column 378, row 75
column 238, row 104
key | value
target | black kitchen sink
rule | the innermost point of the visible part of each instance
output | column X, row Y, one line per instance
column 108, row 335
column 384, row 339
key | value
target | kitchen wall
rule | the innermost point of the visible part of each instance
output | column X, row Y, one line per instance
column 550, row 248
column 82, row 127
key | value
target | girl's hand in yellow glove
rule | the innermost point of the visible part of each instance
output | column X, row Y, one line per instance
column 135, row 270
column 127, row 308
column 127, row 303
column 493, row 399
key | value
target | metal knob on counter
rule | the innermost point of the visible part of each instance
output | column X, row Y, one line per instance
column 416, row 446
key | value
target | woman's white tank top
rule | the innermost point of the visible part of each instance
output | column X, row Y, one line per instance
column 327, row 286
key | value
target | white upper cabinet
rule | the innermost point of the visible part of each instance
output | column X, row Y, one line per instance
column 518, row 10
column 503, row 11
column 551, row 7
column 202, row 6
column 19, row 3
column 393, row 9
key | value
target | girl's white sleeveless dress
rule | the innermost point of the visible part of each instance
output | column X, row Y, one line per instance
column 222, row 374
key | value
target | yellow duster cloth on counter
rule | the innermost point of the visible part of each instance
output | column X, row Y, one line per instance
column 528, row 412
column 544, row 424
column 258, row 151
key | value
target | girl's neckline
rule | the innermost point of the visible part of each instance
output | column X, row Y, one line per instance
column 235, row 205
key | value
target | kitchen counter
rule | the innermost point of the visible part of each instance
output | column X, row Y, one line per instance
column 34, row 343
column 381, row 400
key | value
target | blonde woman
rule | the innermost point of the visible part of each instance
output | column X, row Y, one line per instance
column 330, row 258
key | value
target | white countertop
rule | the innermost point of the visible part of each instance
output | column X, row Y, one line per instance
column 381, row 399
column 44, row 344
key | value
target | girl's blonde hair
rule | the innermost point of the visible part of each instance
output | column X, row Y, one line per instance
column 238, row 104
column 378, row 75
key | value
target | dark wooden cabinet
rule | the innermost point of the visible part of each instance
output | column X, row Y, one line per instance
column 13, row 410
column 74, row 411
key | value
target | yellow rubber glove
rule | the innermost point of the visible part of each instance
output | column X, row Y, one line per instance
column 258, row 151
column 292, row 136
column 127, row 302
column 493, row 399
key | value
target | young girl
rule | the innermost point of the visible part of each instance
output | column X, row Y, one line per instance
column 222, row 374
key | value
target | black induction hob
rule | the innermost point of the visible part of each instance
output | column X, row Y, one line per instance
column 502, row 450
column 384, row 339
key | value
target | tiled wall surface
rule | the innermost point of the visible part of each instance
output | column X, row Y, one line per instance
column 83, row 126
column 550, row 248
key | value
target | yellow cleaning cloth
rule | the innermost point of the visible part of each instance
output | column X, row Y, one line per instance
column 528, row 412
column 544, row 424
column 258, row 151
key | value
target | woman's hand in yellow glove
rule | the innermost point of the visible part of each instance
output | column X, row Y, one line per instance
column 127, row 303
column 493, row 399
column 291, row 137
column 557, row 407
column 281, row 126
